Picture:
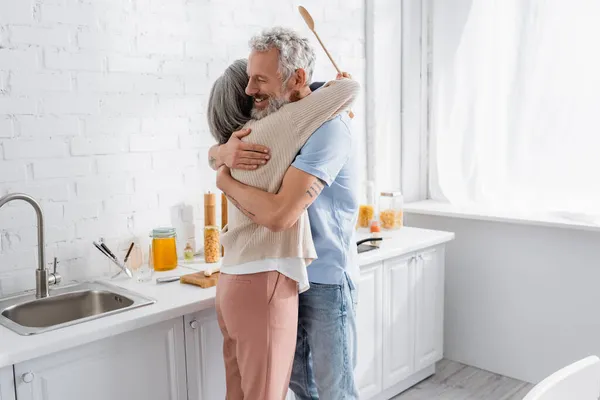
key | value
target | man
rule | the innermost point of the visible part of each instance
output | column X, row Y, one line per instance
column 323, row 179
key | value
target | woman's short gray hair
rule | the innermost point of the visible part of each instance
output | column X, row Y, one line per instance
column 229, row 106
column 294, row 51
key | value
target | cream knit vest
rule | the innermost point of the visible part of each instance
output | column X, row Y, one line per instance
column 284, row 132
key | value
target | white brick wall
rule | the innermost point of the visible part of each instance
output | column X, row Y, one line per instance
column 102, row 114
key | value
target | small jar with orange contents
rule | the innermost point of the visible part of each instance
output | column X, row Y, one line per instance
column 164, row 249
column 391, row 210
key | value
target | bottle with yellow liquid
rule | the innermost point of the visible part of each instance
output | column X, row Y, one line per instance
column 164, row 249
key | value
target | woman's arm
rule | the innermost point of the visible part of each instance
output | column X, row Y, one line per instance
column 322, row 105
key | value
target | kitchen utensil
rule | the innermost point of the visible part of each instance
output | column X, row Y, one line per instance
column 167, row 279
column 199, row 279
column 114, row 260
column 128, row 252
column 310, row 22
column 105, row 247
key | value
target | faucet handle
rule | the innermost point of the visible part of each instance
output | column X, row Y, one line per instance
column 54, row 278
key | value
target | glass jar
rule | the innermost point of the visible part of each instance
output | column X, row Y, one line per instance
column 164, row 249
column 212, row 246
column 391, row 210
column 366, row 210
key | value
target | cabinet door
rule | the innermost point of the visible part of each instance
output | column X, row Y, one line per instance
column 398, row 320
column 204, row 354
column 369, row 325
column 429, row 298
column 146, row 364
column 7, row 384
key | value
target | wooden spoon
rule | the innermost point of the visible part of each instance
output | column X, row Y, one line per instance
column 310, row 22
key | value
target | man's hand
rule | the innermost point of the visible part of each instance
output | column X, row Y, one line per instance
column 239, row 155
column 222, row 173
column 343, row 75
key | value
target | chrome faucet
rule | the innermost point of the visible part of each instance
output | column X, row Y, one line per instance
column 43, row 278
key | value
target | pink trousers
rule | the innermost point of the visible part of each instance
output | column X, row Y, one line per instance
column 258, row 316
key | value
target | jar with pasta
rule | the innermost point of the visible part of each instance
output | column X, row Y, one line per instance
column 212, row 245
column 391, row 210
column 366, row 209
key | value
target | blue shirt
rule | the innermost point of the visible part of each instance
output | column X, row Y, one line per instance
column 329, row 154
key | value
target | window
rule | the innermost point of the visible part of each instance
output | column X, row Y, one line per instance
column 515, row 105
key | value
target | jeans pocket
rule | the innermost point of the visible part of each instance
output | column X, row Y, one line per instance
column 325, row 286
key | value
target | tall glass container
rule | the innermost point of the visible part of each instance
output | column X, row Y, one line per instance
column 366, row 210
column 391, row 210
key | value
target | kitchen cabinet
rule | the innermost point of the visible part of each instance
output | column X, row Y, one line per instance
column 369, row 325
column 7, row 384
column 400, row 322
column 398, row 311
column 145, row 364
column 204, row 356
column 429, row 299
column 400, row 316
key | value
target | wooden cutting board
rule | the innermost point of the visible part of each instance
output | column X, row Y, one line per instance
column 199, row 279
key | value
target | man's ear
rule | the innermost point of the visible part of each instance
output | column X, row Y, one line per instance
column 298, row 80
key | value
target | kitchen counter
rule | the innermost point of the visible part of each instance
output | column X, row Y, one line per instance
column 174, row 300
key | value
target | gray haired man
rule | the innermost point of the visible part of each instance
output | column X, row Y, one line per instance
column 326, row 345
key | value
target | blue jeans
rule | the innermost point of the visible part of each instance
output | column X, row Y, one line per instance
column 326, row 346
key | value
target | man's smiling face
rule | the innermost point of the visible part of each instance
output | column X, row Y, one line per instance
column 265, row 83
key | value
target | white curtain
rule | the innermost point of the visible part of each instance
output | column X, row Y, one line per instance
column 515, row 121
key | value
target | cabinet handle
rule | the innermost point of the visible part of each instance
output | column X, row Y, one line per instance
column 194, row 324
column 27, row 377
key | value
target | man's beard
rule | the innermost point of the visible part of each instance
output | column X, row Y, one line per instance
column 274, row 105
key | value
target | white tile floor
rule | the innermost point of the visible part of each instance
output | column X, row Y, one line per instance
column 454, row 381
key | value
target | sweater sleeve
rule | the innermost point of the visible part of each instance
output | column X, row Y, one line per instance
column 322, row 105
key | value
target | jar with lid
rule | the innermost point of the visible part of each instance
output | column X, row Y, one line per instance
column 391, row 214
column 366, row 209
column 212, row 246
column 164, row 249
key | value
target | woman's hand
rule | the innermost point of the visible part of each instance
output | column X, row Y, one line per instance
column 343, row 75
column 240, row 155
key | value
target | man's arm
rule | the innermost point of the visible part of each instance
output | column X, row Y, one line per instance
column 276, row 211
column 237, row 154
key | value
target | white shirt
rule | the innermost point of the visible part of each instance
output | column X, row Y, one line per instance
column 294, row 268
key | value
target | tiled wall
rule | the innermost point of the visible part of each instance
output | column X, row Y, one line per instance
column 102, row 114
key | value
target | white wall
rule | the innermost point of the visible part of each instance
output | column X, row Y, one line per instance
column 102, row 114
column 521, row 301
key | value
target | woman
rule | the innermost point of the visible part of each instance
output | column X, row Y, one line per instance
column 263, row 271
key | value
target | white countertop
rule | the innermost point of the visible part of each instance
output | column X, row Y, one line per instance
column 174, row 300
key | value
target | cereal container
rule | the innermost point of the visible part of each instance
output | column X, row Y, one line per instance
column 366, row 209
column 391, row 210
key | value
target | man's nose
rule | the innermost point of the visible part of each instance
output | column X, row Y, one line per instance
column 251, row 89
